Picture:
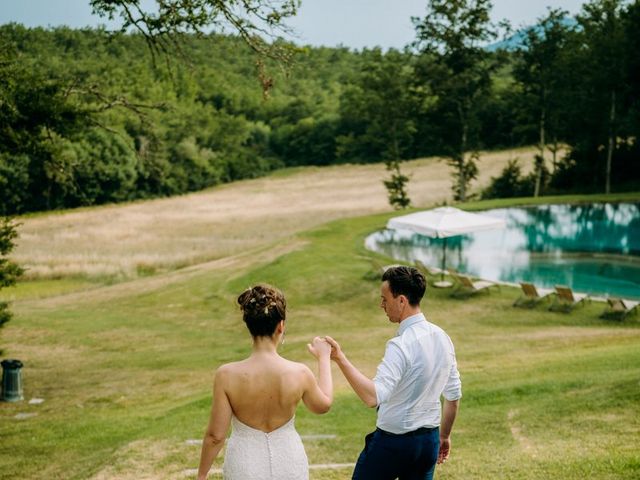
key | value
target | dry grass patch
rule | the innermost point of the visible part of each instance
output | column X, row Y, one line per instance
column 146, row 460
column 517, row 430
column 124, row 241
column 145, row 285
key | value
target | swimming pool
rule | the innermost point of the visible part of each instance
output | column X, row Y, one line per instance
column 592, row 248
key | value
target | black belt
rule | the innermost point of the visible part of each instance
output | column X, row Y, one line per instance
column 419, row 431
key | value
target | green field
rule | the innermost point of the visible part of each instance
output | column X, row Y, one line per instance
column 126, row 369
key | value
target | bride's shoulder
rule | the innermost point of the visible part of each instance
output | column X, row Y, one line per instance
column 228, row 369
column 228, row 374
column 298, row 367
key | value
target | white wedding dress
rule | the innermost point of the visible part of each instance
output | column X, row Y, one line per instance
column 252, row 454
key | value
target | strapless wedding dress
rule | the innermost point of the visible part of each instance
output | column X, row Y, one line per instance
column 255, row 455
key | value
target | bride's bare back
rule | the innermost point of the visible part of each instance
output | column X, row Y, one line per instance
column 264, row 390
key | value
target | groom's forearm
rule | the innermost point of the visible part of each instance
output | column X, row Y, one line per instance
column 361, row 384
column 449, row 412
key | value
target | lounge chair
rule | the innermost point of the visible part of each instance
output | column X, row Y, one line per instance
column 434, row 275
column 619, row 308
column 566, row 300
column 466, row 286
column 428, row 271
column 532, row 295
column 378, row 269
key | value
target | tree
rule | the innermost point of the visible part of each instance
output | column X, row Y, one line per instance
column 603, row 31
column 632, row 79
column 538, row 71
column 456, row 69
column 377, row 113
column 397, row 186
column 35, row 112
column 163, row 27
column 75, row 130
column 39, row 111
column 9, row 271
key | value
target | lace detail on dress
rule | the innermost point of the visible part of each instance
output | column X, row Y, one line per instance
column 252, row 454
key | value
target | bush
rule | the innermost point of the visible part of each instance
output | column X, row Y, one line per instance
column 510, row 183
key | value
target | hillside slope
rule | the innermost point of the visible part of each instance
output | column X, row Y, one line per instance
column 125, row 240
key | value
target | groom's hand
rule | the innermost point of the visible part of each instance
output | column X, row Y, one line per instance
column 445, row 448
column 336, row 352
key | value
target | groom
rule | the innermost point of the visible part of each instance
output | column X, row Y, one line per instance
column 418, row 367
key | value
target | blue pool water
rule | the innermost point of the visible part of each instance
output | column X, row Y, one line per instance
column 592, row 248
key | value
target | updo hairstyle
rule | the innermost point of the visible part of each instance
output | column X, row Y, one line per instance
column 263, row 307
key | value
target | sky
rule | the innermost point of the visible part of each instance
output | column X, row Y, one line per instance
column 352, row 23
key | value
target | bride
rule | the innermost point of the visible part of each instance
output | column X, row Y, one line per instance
column 258, row 398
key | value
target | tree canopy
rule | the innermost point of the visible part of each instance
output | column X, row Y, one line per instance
column 87, row 116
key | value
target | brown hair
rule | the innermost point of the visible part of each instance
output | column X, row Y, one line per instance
column 406, row 281
column 263, row 307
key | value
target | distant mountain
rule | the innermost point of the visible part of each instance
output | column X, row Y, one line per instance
column 517, row 40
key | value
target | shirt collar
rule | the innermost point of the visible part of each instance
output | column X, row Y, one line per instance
column 410, row 321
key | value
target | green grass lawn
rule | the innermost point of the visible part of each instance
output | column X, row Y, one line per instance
column 125, row 370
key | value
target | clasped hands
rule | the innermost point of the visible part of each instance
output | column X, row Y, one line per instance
column 321, row 346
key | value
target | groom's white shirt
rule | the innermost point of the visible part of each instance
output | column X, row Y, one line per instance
column 419, row 366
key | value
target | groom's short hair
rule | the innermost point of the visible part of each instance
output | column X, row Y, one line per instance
column 406, row 281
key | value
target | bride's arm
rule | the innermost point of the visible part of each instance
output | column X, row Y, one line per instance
column 219, row 422
column 318, row 395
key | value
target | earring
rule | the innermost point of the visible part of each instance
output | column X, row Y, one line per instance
column 283, row 334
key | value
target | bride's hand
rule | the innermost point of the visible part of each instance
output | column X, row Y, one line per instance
column 319, row 347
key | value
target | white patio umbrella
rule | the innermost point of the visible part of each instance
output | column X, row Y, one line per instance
column 444, row 222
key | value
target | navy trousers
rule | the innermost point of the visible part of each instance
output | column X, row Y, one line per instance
column 386, row 456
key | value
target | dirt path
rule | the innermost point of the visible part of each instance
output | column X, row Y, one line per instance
column 142, row 237
column 108, row 293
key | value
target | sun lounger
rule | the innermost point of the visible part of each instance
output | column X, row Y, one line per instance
column 434, row 275
column 426, row 270
column 619, row 308
column 469, row 287
column 532, row 295
column 566, row 299
column 378, row 269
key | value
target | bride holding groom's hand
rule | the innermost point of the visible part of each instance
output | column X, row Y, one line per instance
column 258, row 397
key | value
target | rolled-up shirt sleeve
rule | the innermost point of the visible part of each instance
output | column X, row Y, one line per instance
column 453, row 388
column 389, row 372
